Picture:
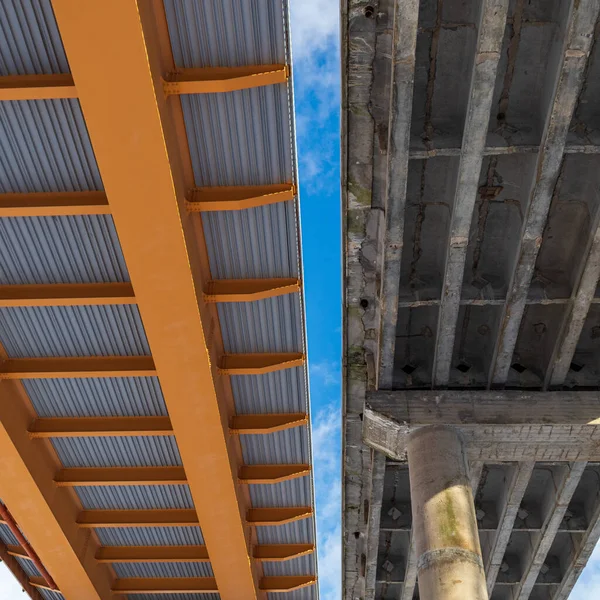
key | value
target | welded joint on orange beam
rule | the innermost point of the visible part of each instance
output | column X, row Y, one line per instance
column 214, row 80
column 262, row 424
column 249, row 290
column 225, row 198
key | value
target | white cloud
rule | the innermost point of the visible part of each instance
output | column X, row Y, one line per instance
column 315, row 26
column 9, row 586
column 326, row 372
column 326, row 438
column 588, row 585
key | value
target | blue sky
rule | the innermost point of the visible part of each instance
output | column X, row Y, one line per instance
column 315, row 47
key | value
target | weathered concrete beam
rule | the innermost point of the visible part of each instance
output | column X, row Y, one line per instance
column 492, row 22
column 501, row 150
column 579, row 306
column 406, row 18
column 584, row 551
column 483, row 301
column 513, row 493
column 580, row 24
column 542, row 543
column 377, row 480
column 508, row 425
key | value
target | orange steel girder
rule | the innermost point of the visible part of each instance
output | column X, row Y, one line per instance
column 45, row 514
column 137, row 142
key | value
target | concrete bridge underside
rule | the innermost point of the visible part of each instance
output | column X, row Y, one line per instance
column 471, row 189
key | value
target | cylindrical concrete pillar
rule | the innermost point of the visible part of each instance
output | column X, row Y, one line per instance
column 444, row 524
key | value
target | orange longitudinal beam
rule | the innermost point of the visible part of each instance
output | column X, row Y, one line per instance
column 266, row 474
column 37, row 87
column 172, row 517
column 100, row 427
column 262, row 517
column 46, row 515
column 267, row 423
column 73, row 367
column 210, row 80
column 211, row 199
column 100, row 476
column 137, row 146
column 259, row 364
column 66, row 294
column 249, row 290
column 53, row 204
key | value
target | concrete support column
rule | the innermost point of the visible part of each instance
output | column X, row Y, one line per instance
column 444, row 525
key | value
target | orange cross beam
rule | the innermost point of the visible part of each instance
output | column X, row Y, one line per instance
column 122, row 519
column 37, row 87
column 267, row 423
column 211, row 80
column 145, row 554
column 211, row 199
column 55, row 427
column 264, row 517
column 268, row 474
column 66, row 294
column 178, row 585
column 45, row 368
column 53, row 204
column 248, row 290
column 259, row 364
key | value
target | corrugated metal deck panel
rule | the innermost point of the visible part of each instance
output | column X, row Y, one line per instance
column 271, row 325
column 150, row 536
column 282, row 391
column 201, row 33
column 307, row 593
column 253, row 243
column 298, row 532
column 82, row 249
column 29, row 39
column 289, row 446
column 178, row 597
column 45, row 147
column 135, row 497
column 147, row 451
column 163, row 570
column 239, row 138
column 48, row 595
column 7, row 536
column 73, row 331
column 110, row 397
column 295, row 492
column 28, row 567
column 304, row 565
